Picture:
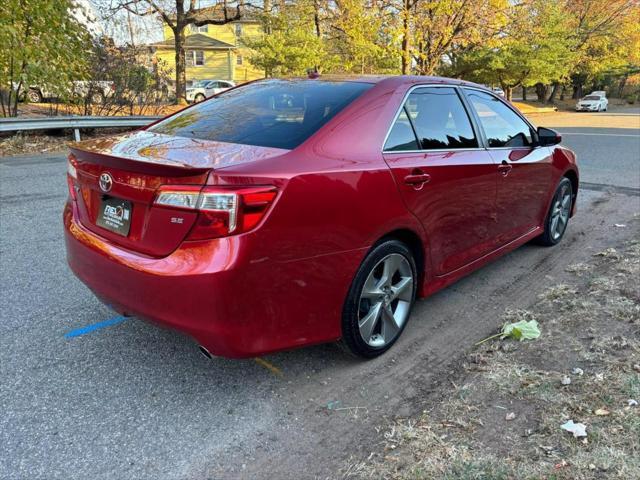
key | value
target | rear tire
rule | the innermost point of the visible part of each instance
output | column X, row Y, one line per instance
column 380, row 300
column 97, row 98
column 199, row 98
column 555, row 224
column 34, row 96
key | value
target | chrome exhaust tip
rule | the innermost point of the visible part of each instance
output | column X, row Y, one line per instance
column 205, row 352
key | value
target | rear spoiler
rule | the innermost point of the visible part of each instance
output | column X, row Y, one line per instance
column 147, row 166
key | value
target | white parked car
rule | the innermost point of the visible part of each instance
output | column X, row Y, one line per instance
column 99, row 91
column 593, row 103
column 205, row 88
column 498, row 91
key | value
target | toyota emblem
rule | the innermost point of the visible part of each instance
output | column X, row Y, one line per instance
column 105, row 182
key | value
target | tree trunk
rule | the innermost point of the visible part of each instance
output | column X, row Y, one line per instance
column 562, row 92
column 316, row 18
column 577, row 90
column 181, row 75
column 554, row 90
column 267, row 16
column 508, row 93
column 541, row 92
column 524, row 93
column 406, row 58
column 621, row 85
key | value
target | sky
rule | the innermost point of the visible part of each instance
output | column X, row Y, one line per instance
column 146, row 29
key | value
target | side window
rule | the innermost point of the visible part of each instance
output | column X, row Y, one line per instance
column 502, row 126
column 401, row 137
column 438, row 118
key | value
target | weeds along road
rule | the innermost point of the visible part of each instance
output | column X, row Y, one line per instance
column 134, row 401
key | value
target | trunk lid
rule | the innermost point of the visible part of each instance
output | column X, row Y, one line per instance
column 138, row 164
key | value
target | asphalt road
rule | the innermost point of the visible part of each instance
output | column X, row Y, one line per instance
column 134, row 401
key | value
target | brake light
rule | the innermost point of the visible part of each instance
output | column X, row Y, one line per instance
column 72, row 175
column 221, row 211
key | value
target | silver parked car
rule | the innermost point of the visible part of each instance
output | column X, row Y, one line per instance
column 205, row 88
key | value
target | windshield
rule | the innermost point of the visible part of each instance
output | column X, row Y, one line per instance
column 274, row 113
column 200, row 84
column 591, row 97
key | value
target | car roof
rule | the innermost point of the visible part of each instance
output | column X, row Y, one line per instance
column 390, row 80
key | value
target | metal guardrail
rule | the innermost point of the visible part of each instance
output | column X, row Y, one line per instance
column 76, row 123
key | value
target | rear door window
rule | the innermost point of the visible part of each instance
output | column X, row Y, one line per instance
column 275, row 113
column 502, row 126
column 437, row 117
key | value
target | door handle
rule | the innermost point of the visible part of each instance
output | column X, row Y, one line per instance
column 504, row 168
column 417, row 179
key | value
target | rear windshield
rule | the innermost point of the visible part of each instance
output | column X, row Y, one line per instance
column 275, row 113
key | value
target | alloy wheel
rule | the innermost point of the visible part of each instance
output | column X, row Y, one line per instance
column 385, row 300
column 560, row 212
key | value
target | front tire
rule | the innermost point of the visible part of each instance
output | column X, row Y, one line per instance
column 380, row 300
column 555, row 224
column 199, row 98
column 34, row 96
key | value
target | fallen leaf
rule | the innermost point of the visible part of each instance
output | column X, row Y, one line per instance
column 632, row 403
column 577, row 429
column 577, row 371
column 566, row 380
column 620, row 225
column 522, row 330
column 601, row 412
column 510, row 416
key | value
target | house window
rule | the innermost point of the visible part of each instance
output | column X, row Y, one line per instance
column 238, row 29
column 238, row 59
column 195, row 58
column 202, row 29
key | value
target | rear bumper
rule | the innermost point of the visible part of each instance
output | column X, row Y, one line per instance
column 213, row 291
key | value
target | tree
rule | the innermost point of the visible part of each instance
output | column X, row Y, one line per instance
column 358, row 38
column 533, row 47
column 178, row 19
column 441, row 26
column 604, row 37
column 41, row 44
column 292, row 43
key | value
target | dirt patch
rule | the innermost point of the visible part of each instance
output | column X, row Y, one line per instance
column 24, row 143
column 33, row 110
column 500, row 415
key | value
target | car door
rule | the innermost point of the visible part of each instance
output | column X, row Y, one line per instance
column 524, row 181
column 444, row 176
column 211, row 89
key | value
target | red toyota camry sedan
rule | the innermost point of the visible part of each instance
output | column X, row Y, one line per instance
column 285, row 213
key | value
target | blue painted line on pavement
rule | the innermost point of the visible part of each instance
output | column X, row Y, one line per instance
column 96, row 326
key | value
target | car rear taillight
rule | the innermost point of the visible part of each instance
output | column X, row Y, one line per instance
column 221, row 211
column 72, row 175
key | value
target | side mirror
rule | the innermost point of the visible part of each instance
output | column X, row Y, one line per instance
column 548, row 137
